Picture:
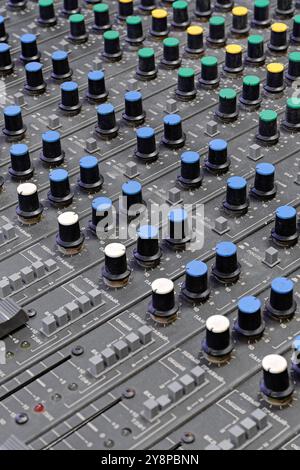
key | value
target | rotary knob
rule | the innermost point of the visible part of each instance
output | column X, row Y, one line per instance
column 34, row 84
column 125, row 9
column 261, row 14
column 203, row 9
column 217, row 161
column 147, row 252
column 96, row 92
column 281, row 304
column 194, row 40
column 60, row 194
column 227, row 110
column 47, row 16
column 106, row 128
column 250, row 97
column 190, row 174
column 14, row 129
column 236, row 202
column 159, row 26
column 276, row 385
column 255, row 50
column 209, row 77
column 195, row 287
column 173, row 134
column 69, row 238
column 240, row 26
column 115, row 272
column 21, row 168
column 217, row 344
column 60, row 66
column 293, row 71
column 233, row 59
column 226, row 268
column 132, row 202
column 291, row 122
column 146, row 68
column 101, row 17
column 180, row 14
column 179, row 230
column 3, row 33
column 163, row 308
column 70, row 7
column 295, row 36
column 275, row 78
column 296, row 355
column 224, row 5
column 268, row 133
column 112, row 50
column 249, row 322
column 264, row 187
column 146, row 148
column 171, row 58
column 186, row 89
column 285, row 231
column 90, row 179
column 102, row 216
column 216, row 36
column 278, row 39
column 78, row 33
column 16, row 4
column 135, row 35
column 146, row 6
column 29, row 209
column 70, row 103
column 285, row 8
column 6, row 64
column 134, row 114
column 52, row 153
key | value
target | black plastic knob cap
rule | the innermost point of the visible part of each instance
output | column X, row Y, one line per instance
column 180, row 14
column 285, row 8
column 236, row 202
column 134, row 113
column 29, row 209
column 163, row 307
column 195, row 287
column 190, row 173
column 90, row 179
column 147, row 252
column 295, row 36
column 195, row 44
column 249, row 322
column 14, row 128
column 264, row 187
column 217, row 160
column 285, row 231
column 60, row 66
column 146, row 148
column 224, row 5
column 227, row 110
column 173, row 136
column 101, row 17
column 115, row 271
column 216, row 36
column 78, row 33
column 17, row 4
column 69, row 238
column 6, row 64
column 179, row 230
column 135, row 35
column 278, row 39
column 281, row 304
column 60, row 194
column 47, row 15
column 112, row 49
column 146, row 68
column 171, row 58
column 159, row 25
column 217, row 343
column 255, row 50
column 69, row 103
column 226, row 269
column 275, row 78
column 3, row 33
column 29, row 49
column 34, row 84
column 96, row 92
column 52, row 153
column 146, row 6
column 125, row 9
column 102, row 216
column 233, row 59
column 276, row 385
column 291, row 122
column 209, row 77
column 70, row 7
column 240, row 26
column 186, row 89
column 293, row 72
column 106, row 127
column 250, row 97
column 203, row 9
column 261, row 14
column 268, row 133
column 21, row 168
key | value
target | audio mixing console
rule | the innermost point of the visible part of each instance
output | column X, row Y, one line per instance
column 149, row 254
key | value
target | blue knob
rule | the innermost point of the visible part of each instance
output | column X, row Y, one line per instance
column 102, row 216
column 35, row 84
column 60, row 194
column 281, row 304
column 190, row 174
column 29, row 49
column 146, row 149
column 236, row 202
column 217, row 161
column 147, row 252
column 264, row 182
column 96, row 86
column 3, row 33
column 173, row 135
column 21, row 168
column 285, row 231
column 60, row 66
column 13, row 123
column 90, row 178
column 249, row 322
column 52, row 152
column 6, row 64
column 134, row 113
column 106, row 127
column 132, row 196
column 226, row 269
column 179, row 231
column 195, row 288
column 70, row 103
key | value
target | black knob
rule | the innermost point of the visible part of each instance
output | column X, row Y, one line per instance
column 295, row 36
column 268, row 133
column 29, row 209
column 203, row 9
column 102, row 216
column 146, row 69
column 134, row 113
column 146, row 148
column 112, row 50
column 125, row 9
column 227, row 110
column 132, row 198
column 285, row 231
column 173, row 135
column 90, row 179
column 115, row 272
column 291, row 122
column 13, row 123
column 29, row 49
column 3, row 33
column 159, row 25
column 180, row 14
column 70, row 7
column 226, row 269
column 261, row 14
column 101, row 17
column 217, row 160
column 236, row 202
column 16, row 4
column 275, row 78
column 278, row 39
column 106, row 127
column 179, row 231
column 60, row 194
column 147, row 252
column 69, row 103
column 216, row 36
column 190, row 174
column 21, row 168
column 163, row 307
column 281, row 304
column 77, row 33
column 47, row 15
column 233, row 59
column 34, row 84
column 60, row 66
column 264, row 182
column 293, row 72
column 147, row 5
column 52, row 153
column 6, row 64
column 255, row 50
column 195, row 287
column 285, row 8
column 240, row 26
column 96, row 92
column 186, row 89
column 135, row 35
column 69, row 238
column 209, row 77
column 276, row 385
column 194, row 40
column 250, row 97
column 171, row 58
column 217, row 344
column 224, row 5
column 249, row 322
